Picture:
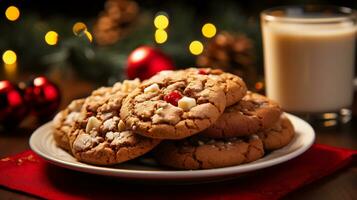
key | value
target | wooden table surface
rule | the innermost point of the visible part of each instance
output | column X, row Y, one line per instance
column 341, row 185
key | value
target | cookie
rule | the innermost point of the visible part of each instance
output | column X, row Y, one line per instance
column 234, row 86
column 279, row 135
column 173, row 105
column 199, row 152
column 101, row 137
column 64, row 121
column 108, row 143
column 252, row 114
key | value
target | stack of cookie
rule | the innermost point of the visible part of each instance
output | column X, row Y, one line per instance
column 193, row 119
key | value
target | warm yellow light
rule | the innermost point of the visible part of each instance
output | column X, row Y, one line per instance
column 196, row 47
column 10, row 69
column 12, row 13
column 79, row 28
column 161, row 22
column 209, row 30
column 89, row 36
column 160, row 36
column 51, row 38
column 9, row 57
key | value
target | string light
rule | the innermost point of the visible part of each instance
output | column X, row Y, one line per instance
column 51, row 38
column 209, row 30
column 160, row 36
column 196, row 47
column 12, row 13
column 89, row 36
column 79, row 28
column 161, row 21
column 9, row 57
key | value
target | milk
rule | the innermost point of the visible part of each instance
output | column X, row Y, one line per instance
column 309, row 68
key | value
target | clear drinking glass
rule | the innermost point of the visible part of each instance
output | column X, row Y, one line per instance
column 309, row 54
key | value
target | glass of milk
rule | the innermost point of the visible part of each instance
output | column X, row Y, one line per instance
column 309, row 54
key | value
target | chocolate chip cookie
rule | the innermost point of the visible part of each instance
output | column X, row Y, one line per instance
column 199, row 152
column 174, row 105
column 279, row 135
column 251, row 114
column 64, row 121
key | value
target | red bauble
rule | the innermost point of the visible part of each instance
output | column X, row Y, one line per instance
column 43, row 97
column 146, row 61
column 12, row 105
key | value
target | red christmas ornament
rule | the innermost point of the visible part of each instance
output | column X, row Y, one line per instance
column 43, row 97
column 146, row 61
column 12, row 105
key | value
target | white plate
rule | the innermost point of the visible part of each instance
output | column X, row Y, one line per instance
column 44, row 145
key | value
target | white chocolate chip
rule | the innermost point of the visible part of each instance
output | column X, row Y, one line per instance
column 121, row 125
column 107, row 115
column 152, row 88
column 110, row 124
column 130, row 85
column 109, row 136
column 186, row 103
column 93, row 123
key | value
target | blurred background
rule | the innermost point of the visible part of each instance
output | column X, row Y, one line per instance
column 80, row 45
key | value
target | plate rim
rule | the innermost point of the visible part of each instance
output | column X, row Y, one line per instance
column 177, row 174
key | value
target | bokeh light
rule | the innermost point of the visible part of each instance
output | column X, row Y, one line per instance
column 79, row 28
column 259, row 85
column 160, row 36
column 12, row 13
column 9, row 57
column 209, row 30
column 88, row 36
column 196, row 47
column 161, row 21
column 51, row 38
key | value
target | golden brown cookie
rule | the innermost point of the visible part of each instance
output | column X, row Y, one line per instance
column 199, row 152
column 252, row 114
column 64, row 121
column 279, row 135
column 100, row 137
column 173, row 105
column 108, row 143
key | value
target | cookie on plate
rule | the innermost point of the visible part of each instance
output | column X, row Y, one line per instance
column 174, row 105
column 105, row 101
column 253, row 113
column 234, row 86
column 101, row 137
column 64, row 121
column 108, row 142
column 279, row 135
column 199, row 152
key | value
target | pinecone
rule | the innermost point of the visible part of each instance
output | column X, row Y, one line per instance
column 114, row 21
column 231, row 53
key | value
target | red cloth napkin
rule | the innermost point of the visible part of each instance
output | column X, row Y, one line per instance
column 29, row 173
